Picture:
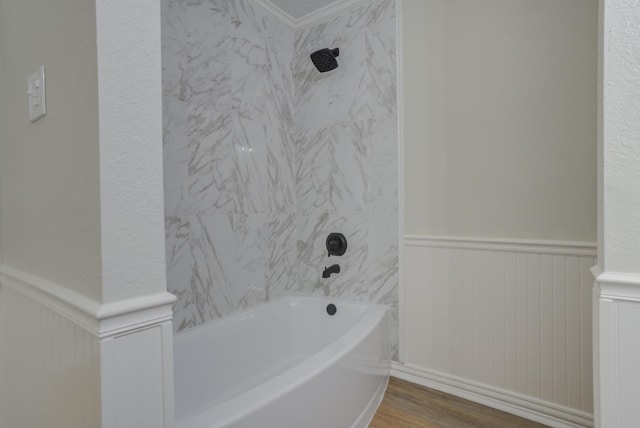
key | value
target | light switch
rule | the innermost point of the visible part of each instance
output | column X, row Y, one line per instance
column 35, row 95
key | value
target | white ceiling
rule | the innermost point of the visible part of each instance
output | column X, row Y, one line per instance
column 300, row 8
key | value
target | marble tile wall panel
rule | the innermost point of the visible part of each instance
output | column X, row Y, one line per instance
column 229, row 157
column 383, row 165
column 218, row 264
column 179, row 260
column 230, row 259
column 346, row 157
column 174, row 50
column 263, row 104
column 213, row 163
column 231, row 65
column 282, row 262
column 176, row 156
column 366, row 38
column 382, row 266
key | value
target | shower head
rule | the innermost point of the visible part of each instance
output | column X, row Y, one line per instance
column 325, row 59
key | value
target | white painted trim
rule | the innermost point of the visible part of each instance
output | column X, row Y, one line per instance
column 102, row 320
column 619, row 286
column 168, row 373
column 596, row 271
column 150, row 310
column 323, row 14
column 595, row 335
column 136, row 378
column 276, row 13
column 521, row 405
column 608, row 367
column 401, row 195
column 78, row 308
column 575, row 248
column 328, row 12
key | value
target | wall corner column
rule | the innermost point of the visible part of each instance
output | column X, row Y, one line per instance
column 134, row 322
column 617, row 291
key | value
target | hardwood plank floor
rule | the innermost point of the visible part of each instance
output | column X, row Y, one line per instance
column 407, row 405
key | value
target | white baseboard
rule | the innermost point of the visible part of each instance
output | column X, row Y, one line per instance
column 531, row 408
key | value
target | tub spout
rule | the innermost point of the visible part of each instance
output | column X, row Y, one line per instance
column 329, row 270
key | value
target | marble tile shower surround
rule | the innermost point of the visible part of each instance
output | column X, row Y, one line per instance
column 346, row 156
column 264, row 156
column 229, row 159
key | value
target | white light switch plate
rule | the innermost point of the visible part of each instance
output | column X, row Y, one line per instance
column 35, row 95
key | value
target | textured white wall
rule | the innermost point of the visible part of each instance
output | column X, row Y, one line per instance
column 621, row 133
column 49, row 176
column 618, row 287
column 500, row 142
column 130, row 113
column 501, row 118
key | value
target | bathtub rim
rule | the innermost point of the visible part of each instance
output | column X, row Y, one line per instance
column 262, row 395
column 250, row 311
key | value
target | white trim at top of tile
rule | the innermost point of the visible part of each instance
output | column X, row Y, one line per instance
column 323, row 14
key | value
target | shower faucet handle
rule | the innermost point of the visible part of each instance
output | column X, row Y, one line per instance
column 336, row 244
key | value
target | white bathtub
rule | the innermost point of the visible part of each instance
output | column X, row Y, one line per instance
column 286, row 363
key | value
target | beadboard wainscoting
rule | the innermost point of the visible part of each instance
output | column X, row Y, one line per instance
column 617, row 296
column 68, row 361
column 50, row 367
column 507, row 323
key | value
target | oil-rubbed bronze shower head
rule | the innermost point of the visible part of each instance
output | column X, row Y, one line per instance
column 325, row 59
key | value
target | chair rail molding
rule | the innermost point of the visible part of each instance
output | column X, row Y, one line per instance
column 102, row 320
column 576, row 248
column 619, row 286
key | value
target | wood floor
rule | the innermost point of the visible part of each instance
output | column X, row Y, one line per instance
column 407, row 405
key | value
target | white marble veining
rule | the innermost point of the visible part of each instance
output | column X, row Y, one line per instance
column 174, row 50
column 282, row 256
column 265, row 156
column 346, row 157
column 230, row 259
column 229, row 172
column 176, row 156
column 300, row 8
